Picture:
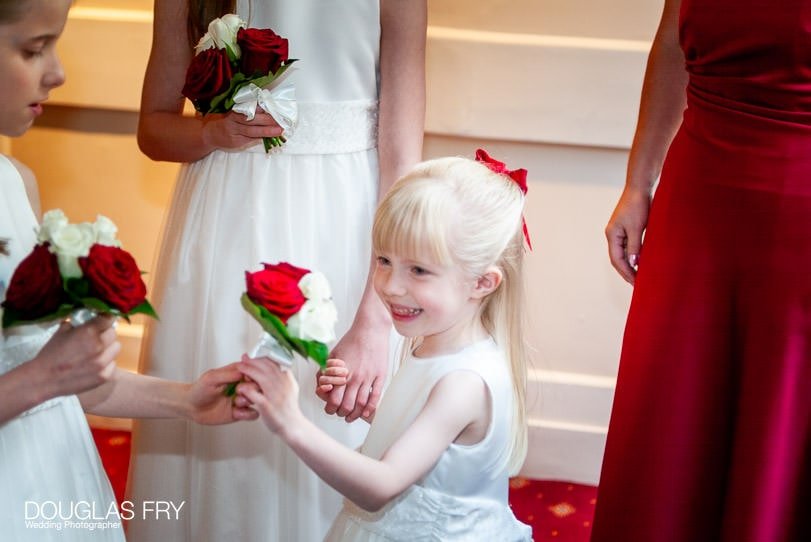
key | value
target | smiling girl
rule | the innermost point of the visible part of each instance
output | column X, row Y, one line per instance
column 451, row 427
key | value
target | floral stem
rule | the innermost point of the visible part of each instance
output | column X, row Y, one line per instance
column 231, row 389
column 270, row 142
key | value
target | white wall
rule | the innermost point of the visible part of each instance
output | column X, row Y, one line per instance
column 552, row 86
column 549, row 85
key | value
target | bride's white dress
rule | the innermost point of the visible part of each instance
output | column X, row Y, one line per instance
column 51, row 478
column 311, row 204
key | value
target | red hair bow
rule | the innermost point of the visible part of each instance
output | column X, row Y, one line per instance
column 518, row 176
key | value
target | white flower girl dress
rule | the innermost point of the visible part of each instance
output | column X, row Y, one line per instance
column 52, row 484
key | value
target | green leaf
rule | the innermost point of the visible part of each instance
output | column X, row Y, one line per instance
column 269, row 322
column 76, row 288
column 98, row 305
column 318, row 352
column 218, row 102
column 314, row 350
column 145, row 308
column 13, row 318
column 265, row 80
column 232, row 55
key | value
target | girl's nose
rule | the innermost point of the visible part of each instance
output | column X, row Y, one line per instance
column 393, row 285
column 54, row 75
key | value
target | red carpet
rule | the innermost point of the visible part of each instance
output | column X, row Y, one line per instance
column 557, row 511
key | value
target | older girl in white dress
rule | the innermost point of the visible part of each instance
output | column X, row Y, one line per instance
column 360, row 89
column 52, row 484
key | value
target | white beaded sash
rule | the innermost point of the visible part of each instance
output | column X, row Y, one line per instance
column 331, row 128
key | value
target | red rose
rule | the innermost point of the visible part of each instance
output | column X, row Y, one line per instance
column 276, row 289
column 35, row 289
column 263, row 50
column 208, row 75
column 113, row 277
column 519, row 176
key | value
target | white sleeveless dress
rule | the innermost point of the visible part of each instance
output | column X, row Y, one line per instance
column 310, row 203
column 464, row 496
column 52, row 483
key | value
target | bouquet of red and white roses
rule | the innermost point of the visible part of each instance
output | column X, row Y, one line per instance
column 237, row 68
column 76, row 269
column 295, row 308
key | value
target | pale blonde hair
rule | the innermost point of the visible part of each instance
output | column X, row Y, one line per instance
column 460, row 212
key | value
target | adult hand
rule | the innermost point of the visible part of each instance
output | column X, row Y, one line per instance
column 234, row 131
column 210, row 406
column 78, row 359
column 366, row 353
column 624, row 231
column 272, row 391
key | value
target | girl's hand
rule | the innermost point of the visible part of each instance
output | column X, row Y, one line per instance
column 624, row 231
column 366, row 349
column 78, row 359
column 276, row 398
column 233, row 131
column 335, row 375
column 210, row 406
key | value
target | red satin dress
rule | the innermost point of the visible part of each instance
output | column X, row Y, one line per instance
column 710, row 433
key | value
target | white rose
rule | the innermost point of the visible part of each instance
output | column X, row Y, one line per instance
column 52, row 222
column 315, row 321
column 222, row 33
column 70, row 243
column 105, row 230
column 315, row 286
column 206, row 42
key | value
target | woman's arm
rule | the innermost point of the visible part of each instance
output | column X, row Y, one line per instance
column 661, row 107
column 131, row 395
column 72, row 361
column 163, row 132
column 401, row 113
column 457, row 408
column 401, row 119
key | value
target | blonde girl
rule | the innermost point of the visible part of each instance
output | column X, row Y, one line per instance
column 451, row 427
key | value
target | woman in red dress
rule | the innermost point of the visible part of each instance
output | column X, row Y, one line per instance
column 710, row 434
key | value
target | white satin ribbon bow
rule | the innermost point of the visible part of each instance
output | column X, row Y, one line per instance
column 278, row 101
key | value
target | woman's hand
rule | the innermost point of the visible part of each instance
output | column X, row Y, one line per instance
column 624, row 231
column 366, row 351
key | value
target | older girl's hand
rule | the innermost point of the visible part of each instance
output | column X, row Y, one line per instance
column 234, row 131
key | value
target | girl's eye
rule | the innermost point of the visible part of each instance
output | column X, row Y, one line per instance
column 32, row 53
column 417, row 270
column 382, row 260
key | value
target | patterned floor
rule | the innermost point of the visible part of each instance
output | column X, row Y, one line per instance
column 557, row 511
